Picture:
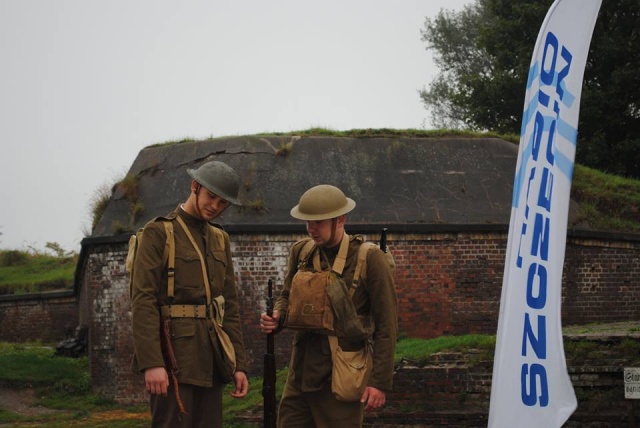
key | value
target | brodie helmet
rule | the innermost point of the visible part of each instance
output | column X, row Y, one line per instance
column 219, row 178
column 322, row 202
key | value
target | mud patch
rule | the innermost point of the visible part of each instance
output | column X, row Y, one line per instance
column 23, row 402
column 119, row 415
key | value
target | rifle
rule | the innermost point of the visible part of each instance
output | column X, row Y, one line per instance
column 170, row 358
column 269, row 381
column 383, row 240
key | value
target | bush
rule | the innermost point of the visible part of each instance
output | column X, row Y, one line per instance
column 13, row 258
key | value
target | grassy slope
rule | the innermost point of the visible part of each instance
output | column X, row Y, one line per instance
column 607, row 202
column 24, row 272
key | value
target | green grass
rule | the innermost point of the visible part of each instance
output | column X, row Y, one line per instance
column 608, row 202
column 60, row 383
column 418, row 350
column 387, row 132
column 24, row 272
column 29, row 363
column 233, row 406
column 63, row 384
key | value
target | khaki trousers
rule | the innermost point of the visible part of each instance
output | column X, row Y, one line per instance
column 319, row 409
column 203, row 406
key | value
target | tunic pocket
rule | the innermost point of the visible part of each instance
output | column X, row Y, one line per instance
column 218, row 269
column 188, row 270
column 183, row 333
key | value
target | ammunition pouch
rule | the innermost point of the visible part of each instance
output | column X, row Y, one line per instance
column 309, row 306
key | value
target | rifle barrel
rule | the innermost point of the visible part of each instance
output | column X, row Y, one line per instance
column 269, row 379
column 383, row 240
column 270, row 297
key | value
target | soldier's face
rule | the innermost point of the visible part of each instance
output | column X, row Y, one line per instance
column 323, row 232
column 210, row 205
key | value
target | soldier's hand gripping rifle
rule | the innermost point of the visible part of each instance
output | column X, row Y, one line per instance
column 269, row 379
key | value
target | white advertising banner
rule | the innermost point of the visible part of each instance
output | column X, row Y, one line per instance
column 530, row 385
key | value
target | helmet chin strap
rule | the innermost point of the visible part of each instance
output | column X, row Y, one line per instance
column 334, row 223
column 197, row 206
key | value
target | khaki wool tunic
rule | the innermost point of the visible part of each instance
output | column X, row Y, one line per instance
column 375, row 297
column 191, row 337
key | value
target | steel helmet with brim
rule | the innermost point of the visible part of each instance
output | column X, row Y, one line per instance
column 218, row 178
column 322, row 202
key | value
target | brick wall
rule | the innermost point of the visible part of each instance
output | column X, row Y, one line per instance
column 601, row 281
column 453, row 389
column 47, row 317
column 110, row 347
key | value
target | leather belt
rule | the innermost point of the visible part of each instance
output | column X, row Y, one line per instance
column 184, row 311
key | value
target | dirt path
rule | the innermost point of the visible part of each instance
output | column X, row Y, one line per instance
column 22, row 401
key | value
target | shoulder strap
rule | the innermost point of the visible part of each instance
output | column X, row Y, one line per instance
column 170, row 256
column 341, row 257
column 306, row 249
column 360, row 264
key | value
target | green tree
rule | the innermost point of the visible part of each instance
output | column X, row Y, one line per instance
column 484, row 52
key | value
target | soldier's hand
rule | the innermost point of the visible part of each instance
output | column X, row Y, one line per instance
column 268, row 324
column 373, row 397
column 156, row 380
column 241, row 385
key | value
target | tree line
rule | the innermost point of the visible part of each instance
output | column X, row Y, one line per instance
column 484, row 52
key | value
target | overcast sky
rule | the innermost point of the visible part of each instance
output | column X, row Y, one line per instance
column 85, row 85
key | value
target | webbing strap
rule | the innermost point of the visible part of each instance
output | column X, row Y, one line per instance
column 205, row 277
column 362, row 255
column 341, row 258
column 170, row 256
column 184, row 311
column 306, row 249
column 333, row 343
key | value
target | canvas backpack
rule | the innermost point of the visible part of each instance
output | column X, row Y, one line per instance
column 134, row 243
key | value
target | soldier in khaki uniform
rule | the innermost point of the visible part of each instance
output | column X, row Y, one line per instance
column 214, row 187
column 307, row 399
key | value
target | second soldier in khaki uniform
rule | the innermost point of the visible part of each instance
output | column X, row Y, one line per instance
column 307, row 399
